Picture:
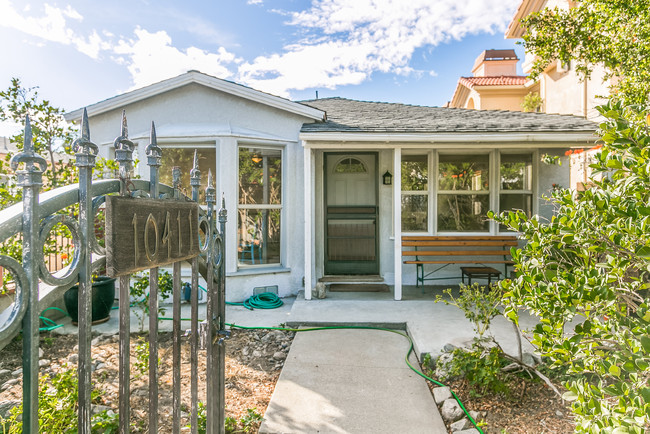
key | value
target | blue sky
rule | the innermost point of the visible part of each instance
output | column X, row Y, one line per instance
column 80, row 52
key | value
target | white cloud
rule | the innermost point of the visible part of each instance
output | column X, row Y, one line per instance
column 347, row 41
column 51, row 26
column 151, row 57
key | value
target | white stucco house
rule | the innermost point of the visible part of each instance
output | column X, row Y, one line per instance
column 304, row 181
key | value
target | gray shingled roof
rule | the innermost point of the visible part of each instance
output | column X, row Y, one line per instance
column 346, row 115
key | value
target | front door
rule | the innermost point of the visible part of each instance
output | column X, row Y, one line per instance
column 351, row 214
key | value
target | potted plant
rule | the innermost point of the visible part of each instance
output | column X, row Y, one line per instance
column 103, row 296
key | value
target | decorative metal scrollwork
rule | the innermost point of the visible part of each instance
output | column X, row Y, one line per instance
column 73, row 269
column 217, row 251
column 10, row 321
column 207, row 230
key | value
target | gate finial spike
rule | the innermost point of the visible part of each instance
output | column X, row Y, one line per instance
column 154, row 139
column 153, row 150
column 209, row 178
column 124, row 132
column 85, row 126
column 27, row 139
column 83, row 145
column 195, row 173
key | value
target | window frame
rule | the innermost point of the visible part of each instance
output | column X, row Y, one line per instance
column 280, row 206
column 494, row 186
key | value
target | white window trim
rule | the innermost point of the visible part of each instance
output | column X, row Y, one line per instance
column 494, row 179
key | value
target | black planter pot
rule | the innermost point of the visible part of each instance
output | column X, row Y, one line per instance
column 102, row 300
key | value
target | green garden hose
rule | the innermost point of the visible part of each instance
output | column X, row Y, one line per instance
column 50, row 324
column 269, row 300
column 406, row 359
column 265, row 300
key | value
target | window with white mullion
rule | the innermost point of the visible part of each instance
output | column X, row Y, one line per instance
column 259, row 208
column 516, row 183
column 463, row 193
column 415, row 193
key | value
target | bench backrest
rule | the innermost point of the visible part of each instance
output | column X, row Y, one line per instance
column 427, row 245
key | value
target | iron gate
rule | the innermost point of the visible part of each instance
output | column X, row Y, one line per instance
column 37, row 216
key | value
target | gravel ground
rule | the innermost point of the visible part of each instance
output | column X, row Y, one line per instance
column 254, row 359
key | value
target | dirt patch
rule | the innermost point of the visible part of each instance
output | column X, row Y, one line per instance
column 528, row 407
column 254, row 359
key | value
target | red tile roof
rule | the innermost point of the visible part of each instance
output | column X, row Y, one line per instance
column 501, row 80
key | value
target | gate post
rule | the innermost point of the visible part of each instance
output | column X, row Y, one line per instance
column 124, row 156
column 154, row 156
column 195, row 182
column 212, row 400
column 30, row 179
column 221, row 312
column 86, row 151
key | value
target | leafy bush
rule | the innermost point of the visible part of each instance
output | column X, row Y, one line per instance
column 592, row 262
column 481, row 366
column 58, row 397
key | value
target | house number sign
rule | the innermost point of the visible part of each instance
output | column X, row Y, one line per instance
column 148, row 233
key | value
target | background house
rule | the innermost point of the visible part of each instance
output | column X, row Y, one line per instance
column 561, row 89
column 494, row 85
column 303, row 182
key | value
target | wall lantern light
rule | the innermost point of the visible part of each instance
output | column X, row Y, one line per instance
column 388, row 178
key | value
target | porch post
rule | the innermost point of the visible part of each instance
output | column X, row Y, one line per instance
column 397, row 219
column 307, row 173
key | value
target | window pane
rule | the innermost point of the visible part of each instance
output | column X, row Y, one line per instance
column 463, row 213
column 414, row 172
column 516, row 172
column 184, row 158
column 414, row 213
column 258, row 233
column 463, row 172
column 350, row 165
column 522, row 202
column 260, row 176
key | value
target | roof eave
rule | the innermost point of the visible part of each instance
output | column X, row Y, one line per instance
column 515, row 30
column 199, row 78
column 532, row 138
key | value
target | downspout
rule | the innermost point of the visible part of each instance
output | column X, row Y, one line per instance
column 584, row 98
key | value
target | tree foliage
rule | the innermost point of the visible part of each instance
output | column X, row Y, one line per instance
column 52, row 136
column 613, row 33
column 591, row 263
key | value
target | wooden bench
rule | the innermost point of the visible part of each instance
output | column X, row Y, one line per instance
column 448, row 250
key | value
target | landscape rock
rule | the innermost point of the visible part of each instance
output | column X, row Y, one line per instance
column 442, row 372
column 448, row 348
column 9, row 383
column 319, row 291
column 96, row 409
column 6, row 406
column 441, row 394
column 451, row 411
column 528, row 359
column 278, row 355
column 460, row 425
column 17, row 373
column 476, row 415
column 43, row 363
column 4, row 372
column 40, row 353
column 468, row 431
column 73, row 358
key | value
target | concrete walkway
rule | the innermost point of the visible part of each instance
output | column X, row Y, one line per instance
column 350, row 381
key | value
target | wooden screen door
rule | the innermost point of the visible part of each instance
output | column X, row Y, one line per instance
column 351, row 214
